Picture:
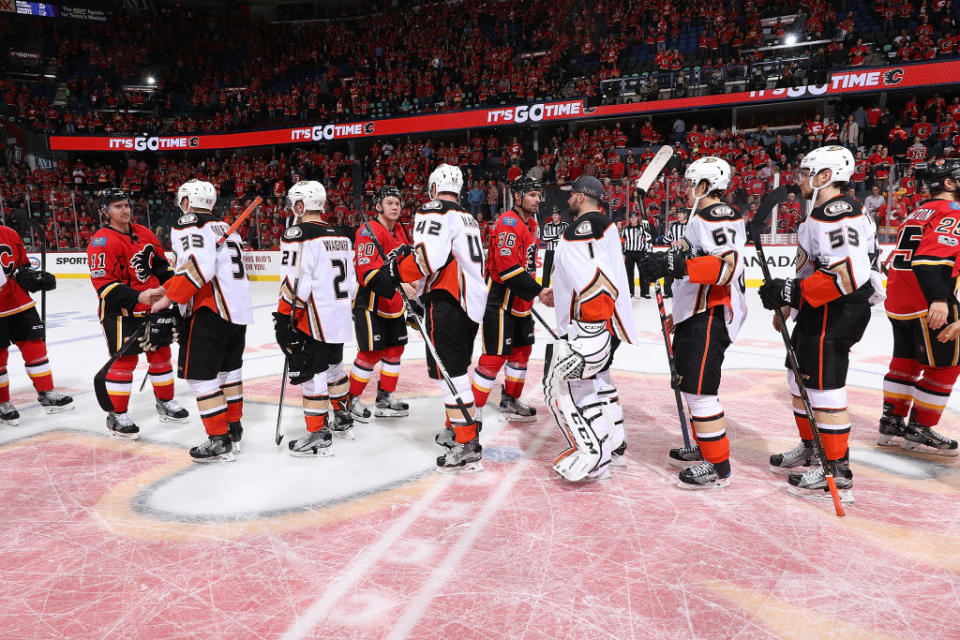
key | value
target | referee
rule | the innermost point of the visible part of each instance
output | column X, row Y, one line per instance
column 674, row 236
column 550, row 236
column 637, row 240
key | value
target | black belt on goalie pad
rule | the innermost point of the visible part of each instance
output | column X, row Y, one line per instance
column 211, row 345
column 823, row 337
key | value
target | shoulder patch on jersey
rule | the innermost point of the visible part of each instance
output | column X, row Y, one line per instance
column 955, row 205
column 584, row 228
column 838, row 208
column 292, row 233
column 510, row 221
column 187, row 218
column 99, row 242
column 432, row 205
column 948, row 240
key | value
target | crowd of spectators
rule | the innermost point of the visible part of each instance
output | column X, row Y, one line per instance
column 242, row 72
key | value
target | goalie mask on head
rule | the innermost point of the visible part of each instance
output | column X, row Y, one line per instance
column 108, row 196
column 199, row 194
column 447, row 179
column 311, row 193
column 937, row 172
column 712, row 170
column 836, row 158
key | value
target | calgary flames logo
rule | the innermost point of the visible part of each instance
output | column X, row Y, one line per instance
column 6, row 259
column 142, row 262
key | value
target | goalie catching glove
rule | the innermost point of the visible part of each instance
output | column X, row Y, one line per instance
column 780, row 292
column 161, row 330
column 34, row 280
column 657, row 264
column 584, row 356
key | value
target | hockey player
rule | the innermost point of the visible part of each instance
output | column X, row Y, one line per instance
column 448, row 254
column 594, row 315
column 507, row 320
column 20, row 324
column 128, row 269
column 379, row 315
column 923, row 309
column 709, row 308
column 831, row 293
column 211, row 283
column 312, row 321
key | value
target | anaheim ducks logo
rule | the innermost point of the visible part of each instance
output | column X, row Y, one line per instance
column 142, row 262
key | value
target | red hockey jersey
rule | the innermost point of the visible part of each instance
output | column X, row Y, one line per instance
column 512, row 263
column 922, row 265
column 124, row 264
column 13, row 254
column 367, row 263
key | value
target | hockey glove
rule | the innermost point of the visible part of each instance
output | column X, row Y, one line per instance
column 386, row 280
column 657, row 264
column 290, row 339
column 781, row 292
column 414, row 309
column 160, row 330
column 34, row 279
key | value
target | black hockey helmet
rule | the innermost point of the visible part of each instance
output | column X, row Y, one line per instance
column 936, row 172
column 386, row 192
column 525, row 183
column 106, row 197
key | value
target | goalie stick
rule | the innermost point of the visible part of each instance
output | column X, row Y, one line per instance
column 643, row 184
column 756, row 229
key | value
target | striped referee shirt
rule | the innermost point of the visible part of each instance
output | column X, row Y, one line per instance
column 675, row 232
column 637, row 238
column 551, row 233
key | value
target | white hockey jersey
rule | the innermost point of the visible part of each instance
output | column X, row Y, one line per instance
column 836, row 244
column 448, row 254
column 208, row 275
column 589, row 279
column 318, row 259
column 716, row 234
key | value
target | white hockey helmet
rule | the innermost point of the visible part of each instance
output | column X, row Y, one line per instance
column 714, row 170
column 310, row 192
column 199, row 194
column 836, row 158
column 446, row 178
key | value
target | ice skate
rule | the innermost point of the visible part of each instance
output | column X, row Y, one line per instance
column 172, row 411
column 9, row 414
column 359, row 411
column 462, row 457
column 312, row 444
column 514, row 410
column 215, row 449
column 891, row 431
column 800, row 458
column 389, row 407
column 812, row 485
column 55, row 402
column 684, row 457
column 236, row 434
column 342, row 425
column 925, row 440
column 705, row 475
column 121, row 425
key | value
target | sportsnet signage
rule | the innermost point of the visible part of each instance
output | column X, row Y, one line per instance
column 849, row 81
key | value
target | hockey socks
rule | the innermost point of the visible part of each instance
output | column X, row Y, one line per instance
column 4, row 378
column 362, row 371
column 516, row 371
column 35, row 361
column 931, row 394
column 899, row 385
column 390, row 369
column 119, row 382
column 212, row 405
column 485, row 376
column 464, row 430
column 231, row 385
column 161, row 373
column 712, row 436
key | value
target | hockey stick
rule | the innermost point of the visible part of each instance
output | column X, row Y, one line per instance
column 236, row 223
column 100, row 378
column 643, row 183
column 423, row 332
column 536, row 315
column 43, row 267
column 756, row 229
column 277, row 434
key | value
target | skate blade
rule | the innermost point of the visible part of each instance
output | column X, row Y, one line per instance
column 682, row 464
column 319, row 453
column 391, row 413
column 889, row 441
column 226, row 457
column 819, row 495
column 236, row 447
column 360, row 419
column 66, row 407
column 346, row 434
column 513, row 417
column 716, row 484
column 122, row 436
column 470, row 467
column 618, row 462
column 171, row 419
column 789, row 471
column 916, row 447
column 11, row 423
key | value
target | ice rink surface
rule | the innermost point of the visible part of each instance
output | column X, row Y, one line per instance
column 101, row 538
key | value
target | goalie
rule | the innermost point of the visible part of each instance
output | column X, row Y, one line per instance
column 594, row 315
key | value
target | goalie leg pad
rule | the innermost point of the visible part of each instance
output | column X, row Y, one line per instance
column 579, row 413
column 608, row 393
